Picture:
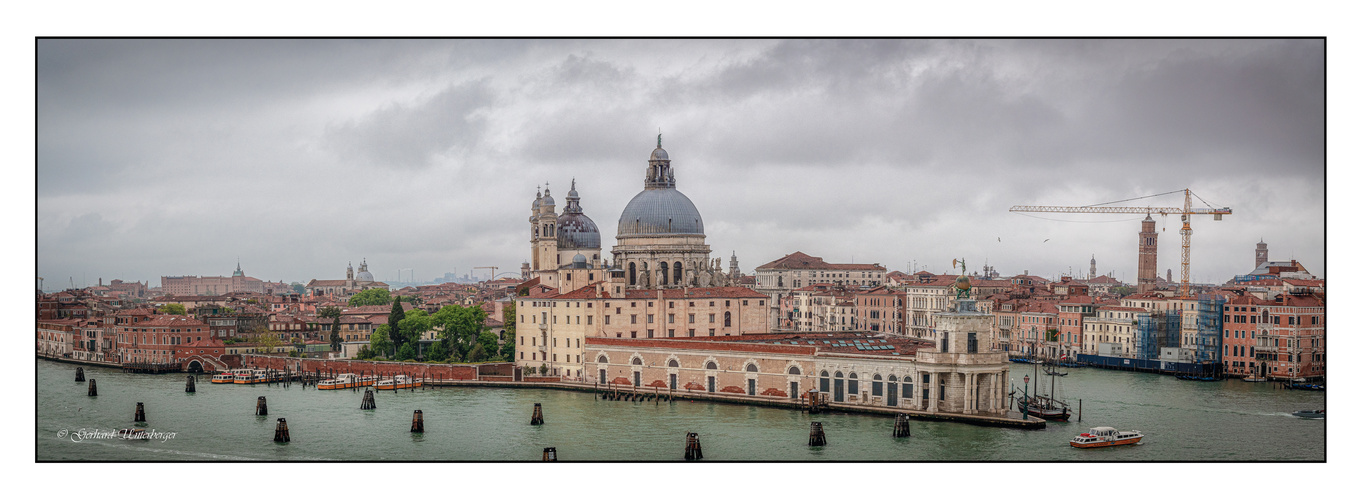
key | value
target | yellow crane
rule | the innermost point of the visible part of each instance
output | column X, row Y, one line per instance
column 1184, row 214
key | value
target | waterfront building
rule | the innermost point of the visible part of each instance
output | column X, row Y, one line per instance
column 152, row 339
column 779, row 278
column 57, row 337
column 1291, row 343
column 954, row 373
column 551, row 327
column 1072, row 313
column 1109, row 332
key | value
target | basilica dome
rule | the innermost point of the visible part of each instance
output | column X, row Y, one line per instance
column 658, row 211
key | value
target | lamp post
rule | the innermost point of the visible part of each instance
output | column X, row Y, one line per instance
column 1025, row 397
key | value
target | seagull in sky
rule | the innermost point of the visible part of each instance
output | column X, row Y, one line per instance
column 1046, row 240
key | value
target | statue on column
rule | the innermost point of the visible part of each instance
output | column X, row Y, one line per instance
column 643, row 277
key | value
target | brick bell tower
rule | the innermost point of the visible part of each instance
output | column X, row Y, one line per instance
column 1261, row 253
column 1146, row 255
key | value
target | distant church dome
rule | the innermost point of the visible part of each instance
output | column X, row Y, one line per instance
column 364, row 274
column 576, row 230
column 660, row 209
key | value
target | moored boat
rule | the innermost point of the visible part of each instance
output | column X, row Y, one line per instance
column 226, row 377
column 1100, row 437
column 1045, row 407
column 397, row 382
column 1310, row 413
column 346, row 381
column 256, row 377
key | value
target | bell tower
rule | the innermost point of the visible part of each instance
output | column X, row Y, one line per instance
column 1146, row 255
column 1261, row 253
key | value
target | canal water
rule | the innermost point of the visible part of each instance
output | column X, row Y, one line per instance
column 1182, row 420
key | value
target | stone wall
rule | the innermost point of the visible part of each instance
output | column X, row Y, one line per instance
column 383, row 368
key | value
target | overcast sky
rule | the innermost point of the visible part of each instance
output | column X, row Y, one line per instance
column 178, row 157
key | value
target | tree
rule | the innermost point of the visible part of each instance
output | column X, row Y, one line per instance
column 508, row 349
column 336, row 333
column 298, row 288
column 173, row 309
column 265, row 341
column 543, row 369
column 395, row 316
column 414, row 326
column 364, row 353
column 329, row 312
column 437, row 352
column 407, row 353
column 379, row 342
column 371, row 297
column 476, row 354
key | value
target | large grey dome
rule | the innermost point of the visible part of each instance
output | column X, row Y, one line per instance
column 660, row 211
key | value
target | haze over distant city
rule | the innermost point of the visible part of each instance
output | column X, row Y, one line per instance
column 180, row 157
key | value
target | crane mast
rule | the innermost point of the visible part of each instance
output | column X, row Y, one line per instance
column 1185, row 232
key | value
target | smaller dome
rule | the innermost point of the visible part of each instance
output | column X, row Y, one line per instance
column 547, row 200
column 579, row 259
column 659, row 154
column 535, row 205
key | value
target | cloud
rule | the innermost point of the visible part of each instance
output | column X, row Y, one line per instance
column 412, row 136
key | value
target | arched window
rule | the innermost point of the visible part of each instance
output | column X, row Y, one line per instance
column 677, row 272
column 751, row 368
column 663, row 275
column 876, row 385
column 823, row 381
column 852, row 382
column 636, row 361
column 726, row 318
column 632, row 274
column 672, row 363
column 793, row 371
column 838, row 374
column 710, row 365
column 601, row 359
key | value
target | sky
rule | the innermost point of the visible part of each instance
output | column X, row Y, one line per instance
column 181, row 157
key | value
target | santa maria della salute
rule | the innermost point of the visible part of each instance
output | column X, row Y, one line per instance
column 660, row 240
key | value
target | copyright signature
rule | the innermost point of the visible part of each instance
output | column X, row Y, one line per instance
column 84, row 434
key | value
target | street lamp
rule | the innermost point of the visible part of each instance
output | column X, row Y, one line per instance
column 1025, row 397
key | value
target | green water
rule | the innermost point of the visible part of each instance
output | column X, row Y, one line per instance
column 1182, row 420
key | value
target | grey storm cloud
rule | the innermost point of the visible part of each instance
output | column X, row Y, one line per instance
column 164, row 157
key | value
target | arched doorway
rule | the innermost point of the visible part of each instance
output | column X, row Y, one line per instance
column 194, row 367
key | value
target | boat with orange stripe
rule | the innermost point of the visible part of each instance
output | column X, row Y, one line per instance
column 1101, row 437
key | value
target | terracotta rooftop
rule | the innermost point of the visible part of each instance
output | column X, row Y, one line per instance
column 798, row 260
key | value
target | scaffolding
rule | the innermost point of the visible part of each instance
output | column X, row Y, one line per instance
column 1154, row 331
column 1209, row 345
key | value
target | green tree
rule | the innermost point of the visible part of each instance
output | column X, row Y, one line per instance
column 508, row 349
column 476, row 354
column 371, row 297
column 173, row 309
column 437, row 352
column 265, row 341
column 395, row 316
column 298, row 288
column 407, row 352
column 379, row 342
column 329, row 312
column 336, row 333
column 364, row 353
column 414, row 326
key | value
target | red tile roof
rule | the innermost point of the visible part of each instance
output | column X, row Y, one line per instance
column 798, row 260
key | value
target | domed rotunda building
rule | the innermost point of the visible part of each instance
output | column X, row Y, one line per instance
column 660, row 237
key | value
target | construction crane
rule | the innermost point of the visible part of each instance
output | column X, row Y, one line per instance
column 492, row 273
column 1184, row 214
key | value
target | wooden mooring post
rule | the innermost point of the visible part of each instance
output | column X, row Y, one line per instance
column 367, row 402
column 817, row 434
column 261, row 409
column 537, row 418
column 417, row 424
column 1081, row 415
column 139, row 415
column 551, row 455
column 901, row 426
column 92, row 391
column 693, row 451
column 281, row 431
column 80, row 374
column 189, row 383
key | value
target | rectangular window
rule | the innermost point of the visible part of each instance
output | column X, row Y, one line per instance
column 745, row 302
column 971, row 342
column 589, row 320
column 691, row 332
column 670, row 304
column 670, row 316
column 712, row 317
column 651, row 318
column 607, row 320
column 617, row 310
column 712, row 332
column 633, row 334
column 908, row 392
column 650, row 333
column 634, row 319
